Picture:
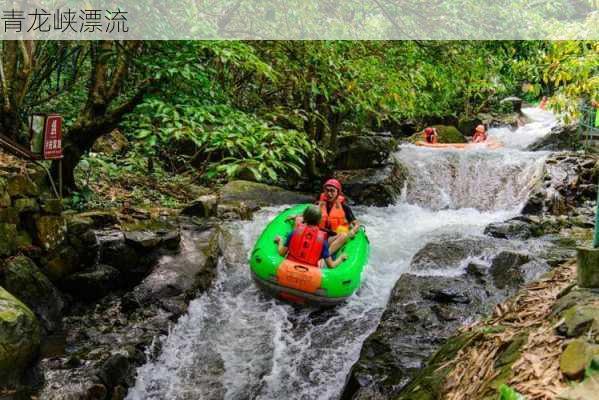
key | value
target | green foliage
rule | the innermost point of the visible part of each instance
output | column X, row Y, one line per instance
column 224, row 142
column 508, row 393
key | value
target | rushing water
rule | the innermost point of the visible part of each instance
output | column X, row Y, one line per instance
column 238, row 343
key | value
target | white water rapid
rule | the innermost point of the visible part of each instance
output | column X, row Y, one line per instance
column 238, row 343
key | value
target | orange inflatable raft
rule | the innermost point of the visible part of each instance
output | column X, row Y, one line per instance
column 489, row 144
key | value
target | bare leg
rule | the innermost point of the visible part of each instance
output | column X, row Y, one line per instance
column 337, row 242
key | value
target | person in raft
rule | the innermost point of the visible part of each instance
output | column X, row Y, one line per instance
column 337, row 218
column 430, row 135
column 480, row 134
column 307, row 243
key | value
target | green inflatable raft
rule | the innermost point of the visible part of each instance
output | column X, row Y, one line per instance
column 299, row 283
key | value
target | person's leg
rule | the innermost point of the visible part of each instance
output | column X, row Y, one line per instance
column 337, row 242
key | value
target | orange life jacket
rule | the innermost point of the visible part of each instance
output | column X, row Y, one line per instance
column 430, row 138
column 335, row 219
column 306, row 244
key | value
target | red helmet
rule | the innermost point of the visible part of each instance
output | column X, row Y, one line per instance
column 428, row 130
column 334, row 183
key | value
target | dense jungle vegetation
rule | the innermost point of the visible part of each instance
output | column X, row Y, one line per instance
column 207, row 111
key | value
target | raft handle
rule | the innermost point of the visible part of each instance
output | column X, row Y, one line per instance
column 300, row 268
column 346, row 282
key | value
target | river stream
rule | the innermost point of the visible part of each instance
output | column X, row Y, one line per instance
column 237, row 343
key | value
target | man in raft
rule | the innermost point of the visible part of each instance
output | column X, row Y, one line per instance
column 430, row 135
column 480, row 134
column 308, row 244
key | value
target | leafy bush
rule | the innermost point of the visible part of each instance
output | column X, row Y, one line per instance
column 219, row 141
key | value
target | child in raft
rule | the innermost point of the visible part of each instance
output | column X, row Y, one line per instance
column 307, row 243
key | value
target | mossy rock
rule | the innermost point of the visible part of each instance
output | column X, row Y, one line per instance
column 23, row 278
column 4, row 196
column 21, row 186
column 446, row 134
column 8, row 243
column 52, row 206
column 580, row 318
column 51, row 231
column 63, row 263
column 574, row 359
column 27, row 204
column 429, row 382
column 19, row 338
column 9, row 215
column 449, row 134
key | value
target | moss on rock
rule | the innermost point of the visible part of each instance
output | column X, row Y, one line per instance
column 19, row 338
column 51, row 231
column 8, row 243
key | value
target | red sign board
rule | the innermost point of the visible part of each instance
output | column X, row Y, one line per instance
column 53, row 138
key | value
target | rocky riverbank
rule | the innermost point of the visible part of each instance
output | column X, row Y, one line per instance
column 425, row 309
column 85, row 297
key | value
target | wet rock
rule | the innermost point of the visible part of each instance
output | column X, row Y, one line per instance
column 50, row 231
column 423, row 311
column 561, row 137
column 506, row 269
column 256, row 195
column 363, row 151
column 142, row 239
column 19, row 338
column 22, row 278
column 115, row 371
column 231, row 210
column 377, row 187
column 93, row 284
column 511, row 229
column 8, row 244
column 115, row 251
column 574, row 359
column 566, row 185
column 179, row 275
column 444, row 253
column 203, row 206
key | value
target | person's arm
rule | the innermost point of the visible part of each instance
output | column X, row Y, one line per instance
column 281, row 248
column 334, row 263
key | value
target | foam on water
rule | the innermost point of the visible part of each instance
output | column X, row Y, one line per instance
column 238, row 343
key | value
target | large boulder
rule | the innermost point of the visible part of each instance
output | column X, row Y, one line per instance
column 259, row 195
column 176, row 278
column 19, row 338
column 569, row 180
column 562, row 137
column 20, row 185
column 447, row 252
column 363, row 151
column 22, row 278
column 374, row 186
column 511, row 229
column 93, row 284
